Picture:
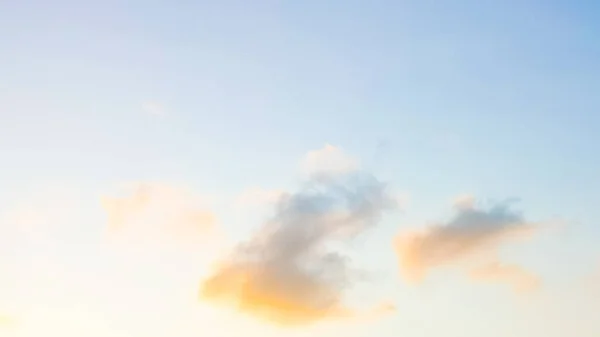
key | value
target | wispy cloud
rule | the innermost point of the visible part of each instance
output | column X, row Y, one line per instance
column 470, row 233
column 154, row 108
column 289, row 273
column 591, row 280
column 257, row 196
column 329, row 160
column 43, row 212
column 464, row 201
column 519, row 278
column 153, row 211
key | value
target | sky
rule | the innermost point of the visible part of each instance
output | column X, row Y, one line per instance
column 299, row 168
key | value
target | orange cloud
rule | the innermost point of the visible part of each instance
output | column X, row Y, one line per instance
column 287, row 273
column 469, row 233
column 520, row 279
column 250, row 291
column 244, row 290
column 154, row 211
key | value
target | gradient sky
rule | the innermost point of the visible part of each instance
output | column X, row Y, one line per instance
column 494, row 99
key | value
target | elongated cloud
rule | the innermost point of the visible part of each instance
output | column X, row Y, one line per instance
column 154, row 211
column 259, row 196
column 464, row 201
column 289, row 272
column 43, row 213
column 470, row 232
column 520, row 279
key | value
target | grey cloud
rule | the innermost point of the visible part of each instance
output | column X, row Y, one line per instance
column 470, row 231
column 288, row 272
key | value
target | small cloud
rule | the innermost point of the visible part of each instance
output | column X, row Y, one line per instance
column 464, row 201
column 470, row 232
column 328, row 160
column 402, row 200
column 154, row 108
column 43, row 212
column 259, row 196
column 157, row 211
column 288, row 273
column 384, row 309
column 592, row 280
column 520, row 279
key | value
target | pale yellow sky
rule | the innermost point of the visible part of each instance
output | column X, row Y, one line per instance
column 130, row 268
column 129, row 260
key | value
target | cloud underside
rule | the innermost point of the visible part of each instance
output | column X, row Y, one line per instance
column 289, row 272
column 472, row 234
column 261, row 294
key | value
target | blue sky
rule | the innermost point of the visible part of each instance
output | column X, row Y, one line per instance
column 496, row 99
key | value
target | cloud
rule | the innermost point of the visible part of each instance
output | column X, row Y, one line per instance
column 328, row 160
column 154, row 108
column 464, row 201
column 43, row 212
column 382, row 309
column 520, row 279
column 290, row 271
column 469, row 233
column 402, row 200
column 591, row 280
column 155, row 211
column 259, row 196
